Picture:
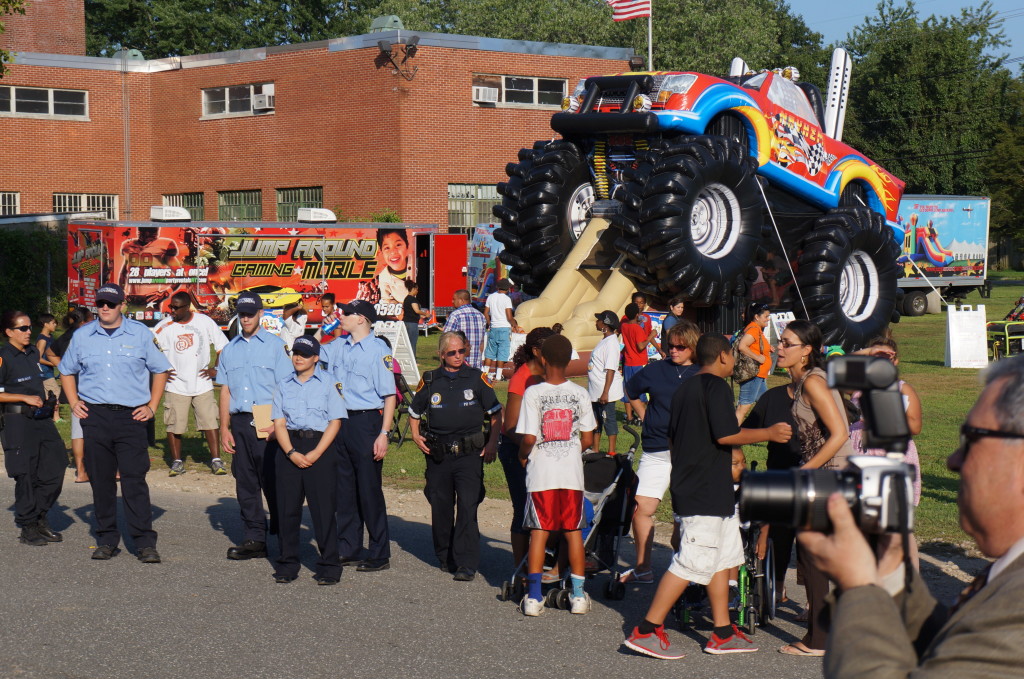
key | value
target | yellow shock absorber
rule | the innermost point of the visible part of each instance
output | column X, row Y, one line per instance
column 601, row 169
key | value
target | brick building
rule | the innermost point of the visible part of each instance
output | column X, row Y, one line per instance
column 254, row 134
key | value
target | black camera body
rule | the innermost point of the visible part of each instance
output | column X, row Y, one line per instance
column 878, row 489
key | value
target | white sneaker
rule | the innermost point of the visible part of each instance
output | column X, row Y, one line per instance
column 579, row 604
column 531, row 607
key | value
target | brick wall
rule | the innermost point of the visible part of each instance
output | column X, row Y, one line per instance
column 49, row 26
column 371, row 139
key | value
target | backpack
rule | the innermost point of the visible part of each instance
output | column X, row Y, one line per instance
column 746, row 368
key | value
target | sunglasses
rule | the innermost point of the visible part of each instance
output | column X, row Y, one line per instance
column 970, row 435
column 678, row 347
column 104, row 304
column 789, row 345
column 887, row 355
column 23, row 328
column 245, row 314
column 449, row 354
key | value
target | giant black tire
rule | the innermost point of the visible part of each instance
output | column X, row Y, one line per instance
column 698, row 221
column 847, row 275
column 543, row 211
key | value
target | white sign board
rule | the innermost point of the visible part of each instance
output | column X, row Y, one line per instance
column 966, row 338
column 777, row 325
column 400, row 348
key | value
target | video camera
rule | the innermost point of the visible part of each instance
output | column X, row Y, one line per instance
column 878, row 489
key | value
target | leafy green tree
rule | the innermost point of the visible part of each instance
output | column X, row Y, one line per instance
column 8, row 7
column 926, row 99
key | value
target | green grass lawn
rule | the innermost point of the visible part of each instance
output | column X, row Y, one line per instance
column 946, row 395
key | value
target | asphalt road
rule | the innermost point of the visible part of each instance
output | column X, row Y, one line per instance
column 199, row 615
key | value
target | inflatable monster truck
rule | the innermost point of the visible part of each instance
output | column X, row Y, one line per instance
column 711, row 175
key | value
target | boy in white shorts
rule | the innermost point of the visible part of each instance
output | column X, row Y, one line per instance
column 556, row 423
column 702, row 432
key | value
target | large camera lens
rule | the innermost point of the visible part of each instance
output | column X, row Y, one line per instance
column 794, row 498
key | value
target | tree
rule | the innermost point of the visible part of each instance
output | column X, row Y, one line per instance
column 926, row 99
column 8, row 7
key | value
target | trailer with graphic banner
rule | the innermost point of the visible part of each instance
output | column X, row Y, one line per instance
column 944, row 249
column 284, row 263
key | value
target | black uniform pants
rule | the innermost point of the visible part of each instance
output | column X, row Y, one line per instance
column 35, row 458
column 360, row 496
column 252, row 465
column 319, row 486
column 114, row 442
column 455, row 488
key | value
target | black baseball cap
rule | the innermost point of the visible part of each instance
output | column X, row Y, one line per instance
column 110, row 292
column 609, row 318
column 306, row 346
column 360, row 307
column 248, row 302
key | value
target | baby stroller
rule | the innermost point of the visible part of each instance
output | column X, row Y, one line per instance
column 755, row 600
column 610, row 485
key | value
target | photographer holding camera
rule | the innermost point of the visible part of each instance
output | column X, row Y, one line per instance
column 883, row 629
column 456, row 400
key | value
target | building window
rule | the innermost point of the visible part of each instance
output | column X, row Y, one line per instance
column 238, row 100
column 469, row 205
column 86, row 202
column 193, row 202
column 516, row 90
column 36, row 102
column 290, row 200
column 10, row 202
column 239, row 206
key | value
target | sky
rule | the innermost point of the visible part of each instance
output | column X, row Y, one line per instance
column 835, row 19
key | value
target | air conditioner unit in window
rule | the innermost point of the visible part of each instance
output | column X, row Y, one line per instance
column 169, row 213
column 262, row 102
column 485, row 95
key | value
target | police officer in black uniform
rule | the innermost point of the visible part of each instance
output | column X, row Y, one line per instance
column 456, row 401
column 33, row 450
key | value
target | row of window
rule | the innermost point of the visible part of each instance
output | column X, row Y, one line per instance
column 468, row 204
column 259, row 98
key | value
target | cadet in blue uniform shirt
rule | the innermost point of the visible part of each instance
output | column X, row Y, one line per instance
column 456, row 400
column 115, row 397
column 307, row 416
column 33, row 450
column 251, row 365
column 363, row 365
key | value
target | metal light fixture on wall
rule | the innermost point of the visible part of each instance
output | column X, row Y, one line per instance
column 397, row 54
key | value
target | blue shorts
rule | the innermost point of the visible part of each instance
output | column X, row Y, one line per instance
column 752, row 389
column 627, row 372
column 498, row 344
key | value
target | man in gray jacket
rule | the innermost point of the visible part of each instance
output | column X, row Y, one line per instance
column 881, row 631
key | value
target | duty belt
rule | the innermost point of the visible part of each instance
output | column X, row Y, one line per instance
column 27, row 411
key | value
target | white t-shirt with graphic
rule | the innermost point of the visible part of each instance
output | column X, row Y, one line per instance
column 555, row 414
column 187, row 347
column 496, row 304
column 605, row 356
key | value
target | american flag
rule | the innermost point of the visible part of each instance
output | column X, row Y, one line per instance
column 629, row 9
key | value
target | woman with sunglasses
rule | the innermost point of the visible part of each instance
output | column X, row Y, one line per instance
column 33, row 450
column 457, row 401
column 659, row 380
column 823, row 433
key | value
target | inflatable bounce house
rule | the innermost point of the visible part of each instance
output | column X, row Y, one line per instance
column 921, row 243
column 677, row 183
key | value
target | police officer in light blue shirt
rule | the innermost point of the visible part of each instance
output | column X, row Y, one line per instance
column 250, row 367
column 113, row 358
column 362, row 363
column 307, row 416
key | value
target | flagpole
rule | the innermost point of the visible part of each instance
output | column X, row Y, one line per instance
column 650, row 41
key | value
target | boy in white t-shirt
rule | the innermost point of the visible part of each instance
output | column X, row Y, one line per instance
column 556, row 423
column 500, row 324
column 185, row 338
column 604, row 381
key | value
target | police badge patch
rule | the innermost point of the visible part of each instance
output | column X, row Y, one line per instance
column 337, row 385
column 435, row 398
column 467, row 394
column 389, row 362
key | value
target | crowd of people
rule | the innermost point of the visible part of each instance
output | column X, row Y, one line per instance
column 310, row 422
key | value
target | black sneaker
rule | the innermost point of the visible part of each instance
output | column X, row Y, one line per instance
column 148, row 555
column 105, row 552
column 30, row 536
